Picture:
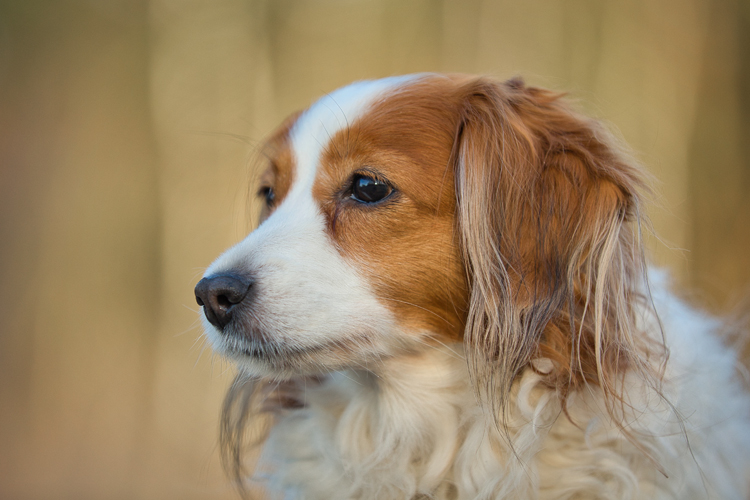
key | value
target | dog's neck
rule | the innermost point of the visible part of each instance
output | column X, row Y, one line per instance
column 400, row 430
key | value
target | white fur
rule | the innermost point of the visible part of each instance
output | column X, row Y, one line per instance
column 415, row 429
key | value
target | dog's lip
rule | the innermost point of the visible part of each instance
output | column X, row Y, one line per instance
column 258, row 346
column 277, row 351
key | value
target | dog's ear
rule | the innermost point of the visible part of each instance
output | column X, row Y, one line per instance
column 549, row 216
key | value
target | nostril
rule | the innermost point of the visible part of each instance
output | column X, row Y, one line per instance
column 218, row 294
column 224, row 302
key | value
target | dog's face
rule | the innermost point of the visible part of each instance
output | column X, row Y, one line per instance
column 357, row 255
column 408, row 212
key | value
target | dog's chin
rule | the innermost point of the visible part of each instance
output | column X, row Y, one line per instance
column 280, row 362
column 257, row 354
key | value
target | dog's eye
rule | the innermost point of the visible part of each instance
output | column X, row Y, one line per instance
column 369, row 190
column 268, row 195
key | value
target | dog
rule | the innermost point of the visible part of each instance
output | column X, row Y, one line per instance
column 447, row 298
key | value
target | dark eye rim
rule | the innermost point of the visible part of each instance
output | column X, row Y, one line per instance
column 268, row 194
column 376, row 176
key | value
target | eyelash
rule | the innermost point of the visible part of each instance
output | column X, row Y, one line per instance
column 369, row 193
column 268, row 194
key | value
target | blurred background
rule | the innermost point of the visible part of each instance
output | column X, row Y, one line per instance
column 125, row 132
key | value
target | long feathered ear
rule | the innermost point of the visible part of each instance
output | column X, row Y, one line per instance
column 549, row 216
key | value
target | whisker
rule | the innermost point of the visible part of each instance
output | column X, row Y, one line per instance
column 196, row 323
column 419, row 307
column 454, row 353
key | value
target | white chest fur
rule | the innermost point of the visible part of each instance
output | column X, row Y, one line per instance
column 415, row 430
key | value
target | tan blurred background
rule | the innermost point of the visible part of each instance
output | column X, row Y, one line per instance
column 125, row 129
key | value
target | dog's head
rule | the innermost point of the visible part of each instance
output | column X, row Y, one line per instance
column 414, row 211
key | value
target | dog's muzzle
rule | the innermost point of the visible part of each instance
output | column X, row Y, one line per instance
column 220, row 295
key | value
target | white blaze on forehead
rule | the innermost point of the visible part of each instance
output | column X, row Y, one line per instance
column 298, row 214
column 332, row 113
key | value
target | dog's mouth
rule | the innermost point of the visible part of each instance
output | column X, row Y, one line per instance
column 275, row 351
column 262, row 353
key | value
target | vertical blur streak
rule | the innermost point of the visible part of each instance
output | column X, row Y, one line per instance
column 79, row 248
column 719, row 164
column 211, row 101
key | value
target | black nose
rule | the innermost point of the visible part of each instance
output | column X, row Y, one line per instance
column 219, row 294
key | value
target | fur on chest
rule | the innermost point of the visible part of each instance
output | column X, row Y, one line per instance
column 417, row 431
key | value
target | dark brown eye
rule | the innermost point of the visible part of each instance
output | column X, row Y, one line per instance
column 369, row 190
column 267, row 193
